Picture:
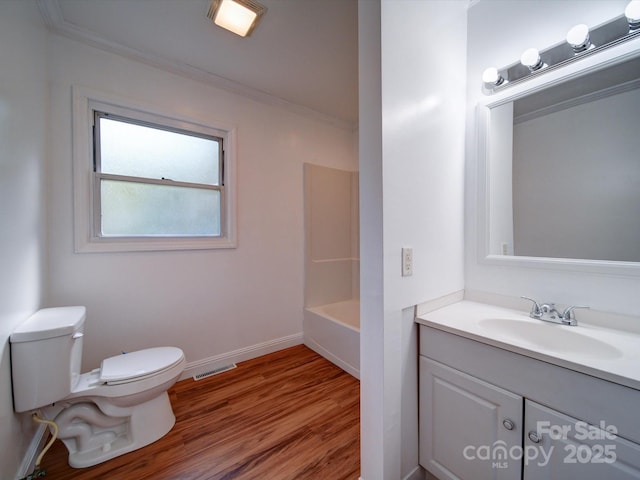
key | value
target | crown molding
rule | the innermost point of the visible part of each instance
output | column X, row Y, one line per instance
column 53, row 17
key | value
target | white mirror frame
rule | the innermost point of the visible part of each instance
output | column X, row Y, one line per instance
column 608, row 57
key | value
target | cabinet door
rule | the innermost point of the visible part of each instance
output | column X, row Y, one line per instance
column 468, row 427
column 559, row 447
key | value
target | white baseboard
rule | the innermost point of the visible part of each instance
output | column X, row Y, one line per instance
column 417, row 473
column 198, row 367
column 35, row 447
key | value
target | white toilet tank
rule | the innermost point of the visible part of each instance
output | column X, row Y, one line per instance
column 46, row 354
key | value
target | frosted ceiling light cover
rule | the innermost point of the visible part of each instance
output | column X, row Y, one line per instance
column 237, row 16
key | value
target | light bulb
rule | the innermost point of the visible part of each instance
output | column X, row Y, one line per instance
column 531, row 58
column 632, row 12
column 492, row 77
column 578, row 38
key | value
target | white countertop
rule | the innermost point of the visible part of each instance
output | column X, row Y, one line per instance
column 609, row 354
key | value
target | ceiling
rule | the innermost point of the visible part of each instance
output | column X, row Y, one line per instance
column 303, row 54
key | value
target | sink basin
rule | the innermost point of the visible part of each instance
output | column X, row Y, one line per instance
column 549, row 336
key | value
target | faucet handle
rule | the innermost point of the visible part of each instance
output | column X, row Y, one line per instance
column 568, row 314
column 536, row 311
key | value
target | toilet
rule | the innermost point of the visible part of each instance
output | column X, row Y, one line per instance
column 101, row 414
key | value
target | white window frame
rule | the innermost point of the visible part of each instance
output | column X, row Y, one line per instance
column 87, row 209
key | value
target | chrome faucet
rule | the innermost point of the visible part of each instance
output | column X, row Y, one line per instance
column 548, row 313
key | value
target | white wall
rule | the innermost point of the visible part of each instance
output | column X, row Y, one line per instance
column 412, row 190
column 376, row 442
column 23, row 112
column 208, row 303
column 496, row 37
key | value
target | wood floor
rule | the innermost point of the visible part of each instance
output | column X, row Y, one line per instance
column 288, row 415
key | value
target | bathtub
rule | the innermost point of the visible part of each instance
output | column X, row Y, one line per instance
column 333, row 331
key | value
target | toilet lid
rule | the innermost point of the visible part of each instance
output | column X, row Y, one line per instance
column 142, row 363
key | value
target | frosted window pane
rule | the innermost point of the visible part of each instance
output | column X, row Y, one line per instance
column 138, row 151
column 139, row 209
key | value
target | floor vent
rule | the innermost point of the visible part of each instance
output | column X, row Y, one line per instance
column 215, row 371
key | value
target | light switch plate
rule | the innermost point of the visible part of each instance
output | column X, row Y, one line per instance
column 407, row 262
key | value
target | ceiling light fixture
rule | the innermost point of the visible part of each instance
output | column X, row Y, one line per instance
column 237, row 16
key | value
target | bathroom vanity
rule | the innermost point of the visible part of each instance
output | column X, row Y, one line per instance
column 504, row 396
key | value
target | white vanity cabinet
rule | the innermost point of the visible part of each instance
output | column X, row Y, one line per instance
column 465, row 420
column 570, row 448
column 488, row 413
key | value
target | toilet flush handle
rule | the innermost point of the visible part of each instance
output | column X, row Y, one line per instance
column 77, row 335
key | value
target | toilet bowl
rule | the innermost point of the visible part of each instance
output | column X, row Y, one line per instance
column 101, row 414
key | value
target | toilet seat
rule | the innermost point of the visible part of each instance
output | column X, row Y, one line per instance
column 135, row 366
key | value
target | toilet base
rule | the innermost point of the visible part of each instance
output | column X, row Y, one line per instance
column 95, row 431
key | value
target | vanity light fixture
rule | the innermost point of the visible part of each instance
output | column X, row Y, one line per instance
column 632, row 12
column 530, row 58
column 237, row 16
column 578, row 38
column 578, row 45
column 492, row 77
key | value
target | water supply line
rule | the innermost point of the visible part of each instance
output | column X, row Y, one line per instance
column 37, row 473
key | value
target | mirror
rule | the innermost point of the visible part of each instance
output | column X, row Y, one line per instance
column 562, row 167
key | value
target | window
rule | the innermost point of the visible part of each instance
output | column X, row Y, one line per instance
column 156, row 182
column 152, row 181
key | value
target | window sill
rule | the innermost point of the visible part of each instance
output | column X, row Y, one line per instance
column 131, row 244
